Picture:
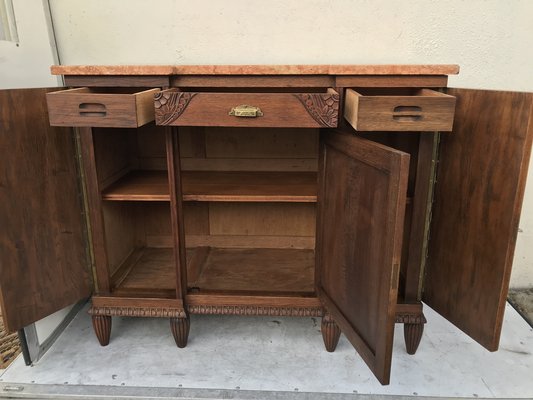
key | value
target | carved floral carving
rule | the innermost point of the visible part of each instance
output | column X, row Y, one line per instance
column 323, row 107
column 170, row 105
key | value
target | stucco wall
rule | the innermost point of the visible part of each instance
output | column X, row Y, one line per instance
column 491, row 40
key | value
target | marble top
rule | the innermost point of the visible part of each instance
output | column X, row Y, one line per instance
column 441, row 69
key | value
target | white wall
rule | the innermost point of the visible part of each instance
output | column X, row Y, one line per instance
column 27, row 63
column 492, row 40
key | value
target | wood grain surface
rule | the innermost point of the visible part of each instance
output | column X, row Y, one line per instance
column 479, row 191
column 362, row 193
column 43, row 263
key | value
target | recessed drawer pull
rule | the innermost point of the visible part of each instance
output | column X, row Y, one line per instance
column 416, row 110
column 92, row 110
column 246, row 111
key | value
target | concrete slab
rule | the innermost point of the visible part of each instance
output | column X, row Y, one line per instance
column 276, row 355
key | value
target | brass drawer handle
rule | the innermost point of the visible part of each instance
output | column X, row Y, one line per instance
column 246, row 111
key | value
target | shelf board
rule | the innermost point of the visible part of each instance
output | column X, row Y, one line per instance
column 249, row 186
column 147, row 271
column 250, row 271
column 217, row 186
column 139, row 186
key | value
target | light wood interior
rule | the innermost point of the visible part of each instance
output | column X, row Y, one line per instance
column 249, row 209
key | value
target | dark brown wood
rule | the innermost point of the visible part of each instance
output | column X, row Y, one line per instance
column 421, row 110
column 479, row 191
column 262, row 270
column 147, row 268
column 139, row 185
column 102, row 328
column 240, row 81
column 362, row 204
column 330, row 333
column 412, row 335
column 180, row 330
column 176, row 210
column 117, row 81
column 254, row 304
column 96, row 217
column 280, row 110
column 137, row 307
column 390, row 81
column 89, row 107
column 43, row 260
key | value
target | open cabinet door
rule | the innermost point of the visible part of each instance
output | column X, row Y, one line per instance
column 478, row 196
column 361, row 200
column 43, row 263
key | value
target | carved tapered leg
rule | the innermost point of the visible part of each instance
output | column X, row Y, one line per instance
column 330, row 332
column 412, row 334
column 180, row 330
column 102, row 328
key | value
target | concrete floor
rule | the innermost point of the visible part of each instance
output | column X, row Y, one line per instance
column 280, row 356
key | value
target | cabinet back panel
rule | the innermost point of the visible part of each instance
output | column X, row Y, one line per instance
column 242, row 149
column 119, row 151
column 121, row 232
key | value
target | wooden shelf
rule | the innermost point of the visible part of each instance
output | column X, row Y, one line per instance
column 250, row 271
column 147, row 271
column 139, row 186
column 217, row 186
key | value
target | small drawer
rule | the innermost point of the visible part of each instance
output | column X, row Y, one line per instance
column 277, row 110
column 420, row 110
column 101, row 108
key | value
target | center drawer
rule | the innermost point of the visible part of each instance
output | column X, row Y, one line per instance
column 276, row 110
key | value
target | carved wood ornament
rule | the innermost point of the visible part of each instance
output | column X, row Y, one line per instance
column 323, row 107
column 170, row 105
column 256, row 310
column 120, row 311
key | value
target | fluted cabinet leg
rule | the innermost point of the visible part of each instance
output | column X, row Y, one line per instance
column 102, row 328
column 330, row 332
column 180, row 330
column 412, row 334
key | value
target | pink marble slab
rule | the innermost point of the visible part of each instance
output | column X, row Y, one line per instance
column 443, row 69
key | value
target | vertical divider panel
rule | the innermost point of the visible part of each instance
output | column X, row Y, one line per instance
column 96, row 218
column 176, row 209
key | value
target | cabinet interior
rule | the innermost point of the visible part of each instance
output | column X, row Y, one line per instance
column 249, row 205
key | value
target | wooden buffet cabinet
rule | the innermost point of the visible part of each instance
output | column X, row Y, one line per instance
column 322, row 191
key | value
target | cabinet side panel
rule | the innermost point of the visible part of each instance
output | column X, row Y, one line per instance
column 43, row 263
column 479, row 190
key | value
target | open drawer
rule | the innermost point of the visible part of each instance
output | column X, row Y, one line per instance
column 277, row 110
column 95, row 107
column 416, row 110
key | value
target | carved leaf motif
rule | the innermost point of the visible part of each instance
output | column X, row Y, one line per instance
column 323, row 107
column 170, row 105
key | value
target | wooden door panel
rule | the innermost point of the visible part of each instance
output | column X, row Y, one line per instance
column 480, row 185
column 43, row 264
column 362, row 192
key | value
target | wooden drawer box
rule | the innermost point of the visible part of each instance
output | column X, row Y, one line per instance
column 279, row 110
column 421, row 110
column 98, row 108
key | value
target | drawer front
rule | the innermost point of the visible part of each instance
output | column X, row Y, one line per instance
column 279, row 110
column 426, row 110
column 85, row 107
